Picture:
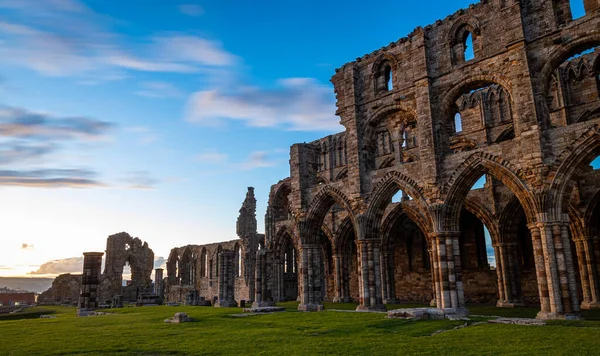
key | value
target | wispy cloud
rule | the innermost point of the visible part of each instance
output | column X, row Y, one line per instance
column 159, row 90
column 29, row 141
column 258, row 159
column 192, row 10
column 295, row 104
column 65, row 265
column 140, row 180
column 66, row 38
column 50, row 178
column 212, row 157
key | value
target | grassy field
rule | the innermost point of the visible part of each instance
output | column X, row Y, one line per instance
column 142, row 331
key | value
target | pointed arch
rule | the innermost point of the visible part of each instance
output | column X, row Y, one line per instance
column 383, row 193
column 563, row 52
column 473, row 82
column 482, row 213
column 319, row 206
column 411, row 212
column 459, row 185
column 342, row 233
column 583, row 150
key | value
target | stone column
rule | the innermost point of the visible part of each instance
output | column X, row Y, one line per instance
column 90, row 282
column 555, row 270
column 310, row 278
column 587, row 248
column 449, row 292
column 370, row 274
column 388, row 280
column 338, row 277
column 261, row 290
column 226, row 280
column 508, row 272
column 158, row 283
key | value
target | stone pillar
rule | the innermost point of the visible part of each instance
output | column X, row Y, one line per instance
column 341, row 279
column 226, row 280
column 158, row 283
column 310, row 278
column 587, row 247
column 555, row 270
column 90, row 282
column 262, row 296
column 388, row 280
column 508, row 272
column 450, row 296
column 370, row 274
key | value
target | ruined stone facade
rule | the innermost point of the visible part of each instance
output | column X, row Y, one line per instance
column 121, row 250
column 424, row 120
column 64, row 290
column 195, row 273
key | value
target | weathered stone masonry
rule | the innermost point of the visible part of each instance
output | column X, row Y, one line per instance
column 423, row 119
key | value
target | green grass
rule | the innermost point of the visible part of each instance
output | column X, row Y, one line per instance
column 142, row 331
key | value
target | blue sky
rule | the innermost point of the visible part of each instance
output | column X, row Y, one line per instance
column 153, row 116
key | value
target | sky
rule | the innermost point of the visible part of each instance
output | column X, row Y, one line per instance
column 154, row 116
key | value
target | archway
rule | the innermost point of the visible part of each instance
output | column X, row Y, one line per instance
column 285, row 267
column 405, row 261
column 345, row 259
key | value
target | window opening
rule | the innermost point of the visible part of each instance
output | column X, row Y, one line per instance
column 469, row 49
column 388, row 79
column 457, row 123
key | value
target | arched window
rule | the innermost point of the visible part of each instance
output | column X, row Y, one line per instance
column 469, row 52
column 457, row 123
column 383, row 76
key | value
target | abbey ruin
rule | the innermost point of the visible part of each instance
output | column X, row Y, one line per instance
column 386, row 211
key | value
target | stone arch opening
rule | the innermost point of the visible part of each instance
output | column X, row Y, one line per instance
column 477, row 259
column 405, row 260
column 465, row 40
column 286, row 266
column 517, row 282
column 480, row 113
column 345, row 258
column 383, row 74
column 574, row 93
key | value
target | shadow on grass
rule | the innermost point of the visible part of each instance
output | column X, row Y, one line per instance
column 27, row 314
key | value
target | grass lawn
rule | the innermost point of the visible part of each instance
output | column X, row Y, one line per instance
column 142, row 331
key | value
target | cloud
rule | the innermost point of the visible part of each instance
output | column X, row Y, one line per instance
column 212, row 157
column 140, row 180
column 25, row 246
column 66, row 265
column 30, row 139
column 160, row 262
column 49, row 178
column 191, row 10
column 159, row 90
column 5, row 268
column 21, row 123
column 295, row 104
column 258, row 159
column 66, row 38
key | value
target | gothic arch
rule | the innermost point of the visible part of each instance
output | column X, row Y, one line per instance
column 476, row 80
column 482, row 213
column 561, row 53
column 341, row 233
column 583, row 150
column 383, row 193
column 471, row 22
column 384, row 111
column 319, row 206
column 411, row 212
column 459, row 185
